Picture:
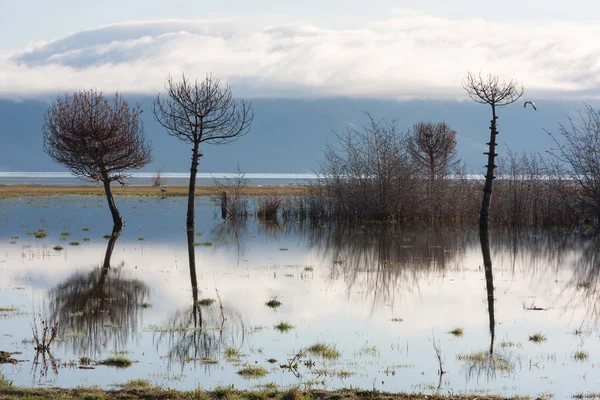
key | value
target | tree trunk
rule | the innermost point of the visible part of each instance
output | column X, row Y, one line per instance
column 489, row 177
column 118, row 222
column 192, row 187
column 107, row 256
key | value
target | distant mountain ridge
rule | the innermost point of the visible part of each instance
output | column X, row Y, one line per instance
column 288, row 135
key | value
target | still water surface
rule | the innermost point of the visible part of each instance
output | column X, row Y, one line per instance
column 382, row 295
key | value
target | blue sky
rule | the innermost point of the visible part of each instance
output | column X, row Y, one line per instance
column 380, row 48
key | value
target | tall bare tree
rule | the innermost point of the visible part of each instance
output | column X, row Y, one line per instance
column 97, row 139
column 201, row 111
column 497, row 94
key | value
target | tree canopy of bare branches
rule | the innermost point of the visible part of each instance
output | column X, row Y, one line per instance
column 496, row 93
column 201, row 111
column 433, row 147
column 491, row 90
column 579, row 150
column 367, row 174
column 97, row 139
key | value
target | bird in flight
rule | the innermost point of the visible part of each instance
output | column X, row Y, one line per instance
column 532, row 105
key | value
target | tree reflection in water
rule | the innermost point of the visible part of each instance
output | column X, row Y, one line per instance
column 197, row 334
column 378, row 260
column 489, row 282
column 98, row 309
column 487, row 363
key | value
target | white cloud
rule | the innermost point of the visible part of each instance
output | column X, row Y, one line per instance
column 408, row 55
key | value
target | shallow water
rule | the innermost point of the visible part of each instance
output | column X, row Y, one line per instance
column 381, row 295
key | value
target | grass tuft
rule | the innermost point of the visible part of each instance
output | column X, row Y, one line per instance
column 39, row 234
column 284, row 326
column 232, row 353
column 537, row 338
column 273, row 303
column 206, row 302
column 580, row 355
column 457, row 332
column 329, row 352
column 117, row 361
column 252, row 371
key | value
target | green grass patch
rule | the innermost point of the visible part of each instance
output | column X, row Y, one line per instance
column 252, row 371
column 58, row 248
column 327, row 351
column 204, row 244
column 143, row 389
column 39, row 234
column 7, row 310
column 273, row 303
column 284, row 326
column 74, row 243
column 116, row 361
column 580, row 355
column 206, row 302
column 135, row 385
column 308, row 269
column 65, row 234
column 458, row 332
column 145, row 305
column 231, row 353
column 537, row 337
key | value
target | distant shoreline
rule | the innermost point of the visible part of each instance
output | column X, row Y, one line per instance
column 17, row 191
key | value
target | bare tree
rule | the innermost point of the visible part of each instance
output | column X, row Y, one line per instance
column 366, row 173
column 579, row 150
column 433, row 148
column 490, row 90
column 201, row 111
column 97, row 139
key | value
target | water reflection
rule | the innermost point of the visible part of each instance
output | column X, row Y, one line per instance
column 200, row 333
column 489, row 282
column 376, row 291
column 377, row 260
column 98, row 309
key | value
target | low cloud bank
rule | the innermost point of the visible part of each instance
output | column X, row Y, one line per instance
column 409, row 55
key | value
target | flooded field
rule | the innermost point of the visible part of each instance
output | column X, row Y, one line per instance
column 290, row 304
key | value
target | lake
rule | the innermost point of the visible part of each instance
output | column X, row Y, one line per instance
column 369, row 306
